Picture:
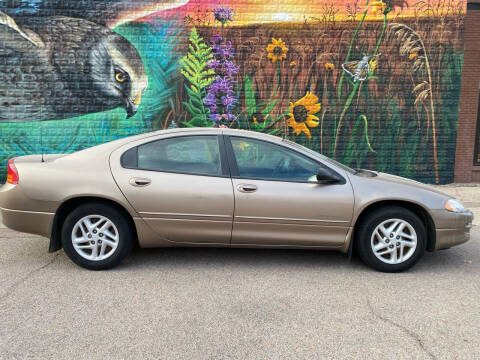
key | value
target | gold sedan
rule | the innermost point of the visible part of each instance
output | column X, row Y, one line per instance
column 228, row 188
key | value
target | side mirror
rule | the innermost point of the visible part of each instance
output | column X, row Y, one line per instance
column 325, row 176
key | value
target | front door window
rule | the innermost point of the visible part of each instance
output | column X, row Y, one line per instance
column 258, row 159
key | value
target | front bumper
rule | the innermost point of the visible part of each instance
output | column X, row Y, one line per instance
column 452, row 228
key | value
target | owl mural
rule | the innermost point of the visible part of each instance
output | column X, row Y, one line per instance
column 66, row 65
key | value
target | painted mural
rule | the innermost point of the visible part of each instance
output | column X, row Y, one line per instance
column 374, row 84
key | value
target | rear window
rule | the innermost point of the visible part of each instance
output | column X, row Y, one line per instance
column 198, row 155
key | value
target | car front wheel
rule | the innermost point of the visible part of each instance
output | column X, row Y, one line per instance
column 96, row 236
column 391, row 239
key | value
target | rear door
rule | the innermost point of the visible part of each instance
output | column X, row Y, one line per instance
column 278, row 200
column 180, row 185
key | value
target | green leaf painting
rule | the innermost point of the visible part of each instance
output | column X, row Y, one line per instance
column 198, row 76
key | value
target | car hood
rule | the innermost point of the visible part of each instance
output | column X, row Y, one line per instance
column 401, row 180
column 370, row 187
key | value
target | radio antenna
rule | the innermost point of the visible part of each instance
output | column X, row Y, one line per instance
column 41, row 140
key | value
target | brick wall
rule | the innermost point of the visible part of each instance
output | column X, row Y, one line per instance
column 382, row 93
column 468, row 127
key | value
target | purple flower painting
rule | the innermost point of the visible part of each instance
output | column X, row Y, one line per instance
column 223, row 14
column 221, row 98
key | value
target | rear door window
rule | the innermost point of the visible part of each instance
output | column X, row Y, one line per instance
column 198, row 155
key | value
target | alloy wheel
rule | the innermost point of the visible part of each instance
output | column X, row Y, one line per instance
column 394, row 241
column 95, row 237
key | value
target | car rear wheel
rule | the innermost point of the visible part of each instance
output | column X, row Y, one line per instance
column 96, row 236
column 391, row 239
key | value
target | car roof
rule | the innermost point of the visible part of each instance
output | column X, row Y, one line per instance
column 225, row 131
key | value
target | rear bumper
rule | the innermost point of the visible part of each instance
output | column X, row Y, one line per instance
column 452, row 228
column 32, row 222
column 17, row 214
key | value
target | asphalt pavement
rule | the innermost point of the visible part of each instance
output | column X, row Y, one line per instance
column 236, row 304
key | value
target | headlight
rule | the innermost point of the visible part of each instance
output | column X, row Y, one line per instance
column 454, row 206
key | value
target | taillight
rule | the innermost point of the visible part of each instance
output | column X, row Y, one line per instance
column 12, row 173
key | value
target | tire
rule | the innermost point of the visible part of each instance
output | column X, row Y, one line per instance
column 374, row 239
column 102, row 247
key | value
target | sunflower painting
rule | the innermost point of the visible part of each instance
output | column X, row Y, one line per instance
column 277, row 51
column 302, row 114
column 378, row 6
column 329, row 66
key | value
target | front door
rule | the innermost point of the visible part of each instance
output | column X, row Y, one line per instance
column 181, row 187
column 278, row 200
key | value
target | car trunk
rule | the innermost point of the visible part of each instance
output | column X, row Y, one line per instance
column 38, row 158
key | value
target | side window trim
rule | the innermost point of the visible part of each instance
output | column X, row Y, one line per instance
column 224, row 163
column 221, row 147
column 234, row 167
column 232, row 162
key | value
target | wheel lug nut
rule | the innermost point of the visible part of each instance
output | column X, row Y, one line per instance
column 94, row 231
column 391, row 235
column 391, row 246
column 101, row 235
column 387, row 241
column 99, row 241
column 398, row 243
column 92, row 242
column 89, row 236
column 398, row 237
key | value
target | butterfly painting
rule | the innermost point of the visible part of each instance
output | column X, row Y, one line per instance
column 359, row 69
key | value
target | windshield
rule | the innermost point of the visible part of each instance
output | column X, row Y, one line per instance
column 323, row 157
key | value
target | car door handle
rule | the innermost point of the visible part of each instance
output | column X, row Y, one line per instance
column 140, row 182
column 247, row 188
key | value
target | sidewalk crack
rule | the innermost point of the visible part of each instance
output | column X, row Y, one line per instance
column 11, row 289
column 413, row 335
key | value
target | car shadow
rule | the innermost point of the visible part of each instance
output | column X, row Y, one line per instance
column 464, row 258
column 187, row 256
column 439, row 261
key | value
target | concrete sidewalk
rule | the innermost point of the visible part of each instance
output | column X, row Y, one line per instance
column 469, row 194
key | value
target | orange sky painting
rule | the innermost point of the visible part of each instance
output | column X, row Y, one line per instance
column 255, row 11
